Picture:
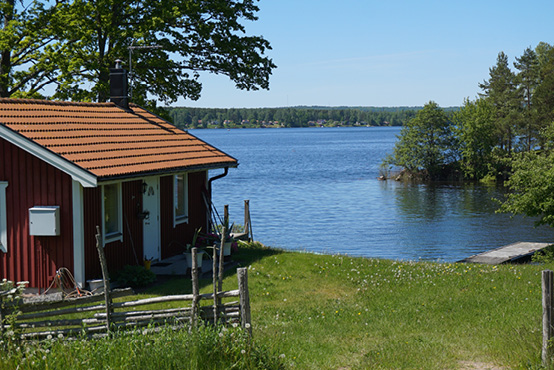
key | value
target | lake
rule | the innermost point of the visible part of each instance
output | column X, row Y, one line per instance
column 316, row 189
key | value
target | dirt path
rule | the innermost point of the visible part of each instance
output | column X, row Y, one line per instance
column 472, row 365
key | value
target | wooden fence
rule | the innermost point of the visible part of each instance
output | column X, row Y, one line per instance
column 97, row 315
column 547, row 316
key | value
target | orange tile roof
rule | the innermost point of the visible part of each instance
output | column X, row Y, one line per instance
column 106, row 140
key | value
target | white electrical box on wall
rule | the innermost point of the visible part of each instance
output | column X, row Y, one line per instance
column 44, row 220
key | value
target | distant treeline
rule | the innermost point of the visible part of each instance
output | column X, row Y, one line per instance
column 300, row 116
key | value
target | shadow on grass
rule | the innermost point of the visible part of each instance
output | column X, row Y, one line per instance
column 247, row 254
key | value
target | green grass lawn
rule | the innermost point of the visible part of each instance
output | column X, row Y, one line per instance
column 337, row 312
column 331, row 312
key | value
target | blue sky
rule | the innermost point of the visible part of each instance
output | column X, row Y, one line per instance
column 382, row 53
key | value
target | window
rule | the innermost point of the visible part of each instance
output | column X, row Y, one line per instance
column 112, row 212
column 181, row 211
column 3, row 221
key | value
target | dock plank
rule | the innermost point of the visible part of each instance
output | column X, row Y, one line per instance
column 507, row 253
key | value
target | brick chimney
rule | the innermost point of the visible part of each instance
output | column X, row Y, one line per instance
column 119, row 86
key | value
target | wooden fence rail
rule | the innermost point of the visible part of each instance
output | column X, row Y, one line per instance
column 99, row 314
column 88, row 315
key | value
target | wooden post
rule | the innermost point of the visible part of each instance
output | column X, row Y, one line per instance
column 547, row 304
column 224, row 233
column 105, row 278
column 214, row 282
column 244, row 298
column 195, row 287
column 248, row 221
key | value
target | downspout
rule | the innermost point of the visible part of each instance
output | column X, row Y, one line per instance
column 225, row 172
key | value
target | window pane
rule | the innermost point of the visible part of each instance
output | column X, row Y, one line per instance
column 180, row 196
column 111, row 213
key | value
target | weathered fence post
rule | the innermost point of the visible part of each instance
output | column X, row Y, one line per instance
column 106, row 279
column 248, row 220
column 224, row 233
column 214, row 282
column 195, row 287
column 547, row 304
column 244, row 299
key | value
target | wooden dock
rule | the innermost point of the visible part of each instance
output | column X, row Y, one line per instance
column 517, row 252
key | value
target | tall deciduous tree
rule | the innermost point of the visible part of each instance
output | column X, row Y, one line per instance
column 28, row 48
column 183, row 38
column 425, row 142
column 474, row 127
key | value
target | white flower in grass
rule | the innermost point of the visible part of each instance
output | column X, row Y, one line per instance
column 235, row 325
column 242, row 351
column 282, row 355
column 49, row 337
column 247, row 325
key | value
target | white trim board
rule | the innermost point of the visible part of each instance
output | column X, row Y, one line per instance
column 3, row 220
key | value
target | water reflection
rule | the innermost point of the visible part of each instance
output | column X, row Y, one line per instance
column 444, row 221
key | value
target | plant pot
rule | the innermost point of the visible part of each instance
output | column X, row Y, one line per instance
column 147, row 264
column 96, row 285
column 199, row 256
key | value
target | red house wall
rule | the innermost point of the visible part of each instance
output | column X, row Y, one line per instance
column 118, row 254
column 33, row 182
column 175, row 238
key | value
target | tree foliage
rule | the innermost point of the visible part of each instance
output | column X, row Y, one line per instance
column 74, row 43
column 425, row 143
column 28, row 48
column 502, row 92
column 532, row 183
column 508, row 118
column 291, row 116
column 476, row 133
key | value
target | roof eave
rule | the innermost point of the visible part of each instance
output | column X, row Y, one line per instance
column 168, row 171
column 79, row 174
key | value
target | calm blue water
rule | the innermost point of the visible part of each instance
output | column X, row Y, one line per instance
column 316, row 189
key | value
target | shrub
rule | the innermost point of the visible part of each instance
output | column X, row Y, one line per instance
column 545, row 255
column 134, row 276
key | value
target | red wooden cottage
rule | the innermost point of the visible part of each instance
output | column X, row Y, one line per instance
column 66, row 167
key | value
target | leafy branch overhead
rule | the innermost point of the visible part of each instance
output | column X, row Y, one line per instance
column 78, row 41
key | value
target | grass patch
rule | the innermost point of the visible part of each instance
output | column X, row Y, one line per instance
column 330, row 312
column 337, row 312
column 205, row 348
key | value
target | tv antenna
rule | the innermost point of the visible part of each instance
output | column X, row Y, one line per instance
column 131, row 48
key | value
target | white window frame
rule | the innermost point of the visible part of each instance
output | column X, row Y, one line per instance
column 116, row 235
column 184, row 218
column 3, row 219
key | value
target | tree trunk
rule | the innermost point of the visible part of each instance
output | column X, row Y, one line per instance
column 5, row 55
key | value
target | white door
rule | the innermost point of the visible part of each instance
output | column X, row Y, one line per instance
column 151, row 222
